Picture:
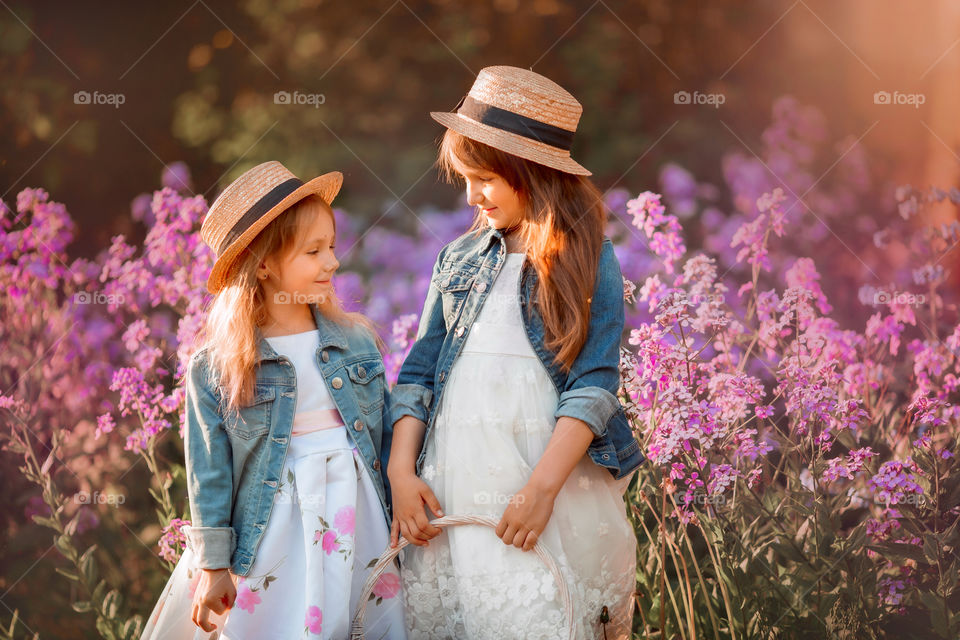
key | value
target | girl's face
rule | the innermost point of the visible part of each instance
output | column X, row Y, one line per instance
column 499, row 203
column 304, row 274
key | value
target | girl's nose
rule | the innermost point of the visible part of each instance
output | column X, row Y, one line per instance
column 474, row 197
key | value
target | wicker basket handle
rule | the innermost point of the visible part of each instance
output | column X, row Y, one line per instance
column 386, row 559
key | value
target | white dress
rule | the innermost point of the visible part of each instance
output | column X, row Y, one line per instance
column 494, row 422
column 325, row 529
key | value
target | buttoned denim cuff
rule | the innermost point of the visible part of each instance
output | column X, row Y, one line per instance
column 410, row 400
column 213, row 546
column 593, row 405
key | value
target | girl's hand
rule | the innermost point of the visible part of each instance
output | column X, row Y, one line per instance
column 526, row 516
column 410, row 493
column 215, row 594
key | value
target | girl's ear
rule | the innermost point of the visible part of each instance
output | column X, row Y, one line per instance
column 263, row 271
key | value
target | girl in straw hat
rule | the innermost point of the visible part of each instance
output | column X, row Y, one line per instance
column 507, row 403
column 286, row 432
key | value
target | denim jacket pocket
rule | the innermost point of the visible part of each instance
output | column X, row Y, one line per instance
column 369, row 382
column 453, row 287
column 254, row 419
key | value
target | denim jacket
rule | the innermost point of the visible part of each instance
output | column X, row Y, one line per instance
column 233, row 465
column 462, row 275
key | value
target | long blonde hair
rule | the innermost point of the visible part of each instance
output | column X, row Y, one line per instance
column 562, row 229
column 229, row 333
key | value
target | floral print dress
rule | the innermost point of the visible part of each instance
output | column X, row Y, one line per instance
column 325, row 532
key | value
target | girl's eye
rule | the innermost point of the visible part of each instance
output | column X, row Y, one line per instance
column 313, row 252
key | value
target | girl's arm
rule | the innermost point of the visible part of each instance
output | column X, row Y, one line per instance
column 585, row 407
column 594, row 379
column 209, row 470
column 413, row 393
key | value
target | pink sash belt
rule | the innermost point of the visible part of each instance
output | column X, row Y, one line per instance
column 316, row 420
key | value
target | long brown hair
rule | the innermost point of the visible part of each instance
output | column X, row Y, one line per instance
column 229, row 332
column 562, row 229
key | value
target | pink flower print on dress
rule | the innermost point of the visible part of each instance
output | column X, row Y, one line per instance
column 345, row 520
column 330, row 543
column 247, row 599
column 386, row 587
column 314, row 619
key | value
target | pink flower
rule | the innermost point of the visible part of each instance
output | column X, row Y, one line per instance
column 246, row 599
column 314, row 619
column 387, row 586
column 345, row 520
column 330, row 543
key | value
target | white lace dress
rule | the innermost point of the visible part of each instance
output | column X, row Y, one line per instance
column 494, row 423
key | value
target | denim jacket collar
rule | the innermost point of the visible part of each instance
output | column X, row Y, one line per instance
column 331, row 335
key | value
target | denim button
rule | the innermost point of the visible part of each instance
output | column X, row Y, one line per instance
column 337, row 383
column 325, row 356
column 270, row 483
column 606, row 456
column 460, row 331
column 376, row 465
column 358, row 425
column 362, row 372
column 482, row 287
column 259, row 526
column 443, row 374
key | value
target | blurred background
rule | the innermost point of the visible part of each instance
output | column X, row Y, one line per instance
column 710, row 104
column 196, row 83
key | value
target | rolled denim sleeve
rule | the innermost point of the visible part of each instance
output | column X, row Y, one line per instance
column 594, row 379
column 209, row 471
column 413, row 393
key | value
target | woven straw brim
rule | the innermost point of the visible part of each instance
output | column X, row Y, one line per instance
column 512, row 143
column 326, row 186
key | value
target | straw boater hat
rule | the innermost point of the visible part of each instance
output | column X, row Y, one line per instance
column 249, row 204
column 520, row 112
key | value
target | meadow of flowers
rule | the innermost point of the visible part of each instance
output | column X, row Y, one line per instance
column 793, row 383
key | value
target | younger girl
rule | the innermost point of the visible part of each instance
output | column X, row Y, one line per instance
column 287, row 432
column 507, row 403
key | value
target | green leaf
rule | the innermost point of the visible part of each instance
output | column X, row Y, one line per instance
column 111, row 603
column 46, row 522
column 65, row 546
column 69, row 574
column 88, row 565
column 82, row 607
column 132, row 628
column 930, row 548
